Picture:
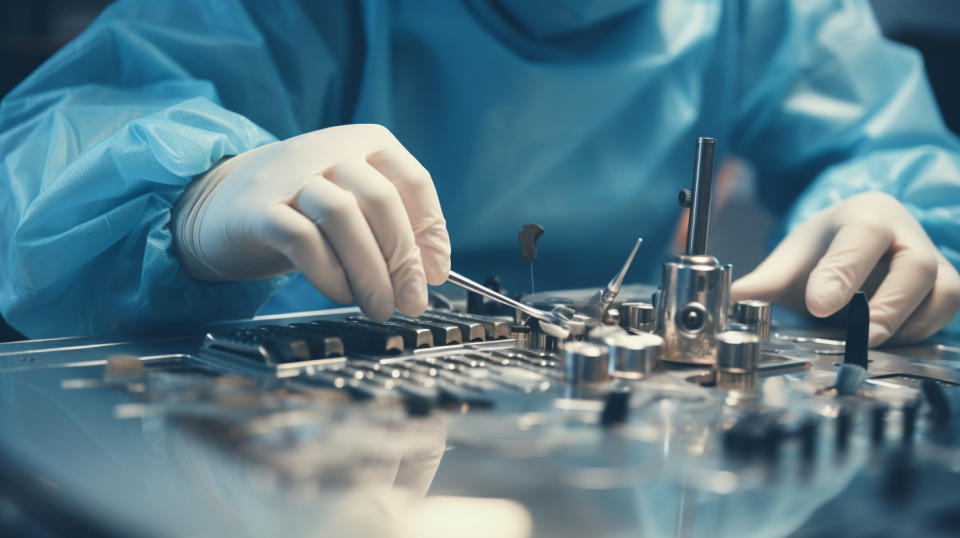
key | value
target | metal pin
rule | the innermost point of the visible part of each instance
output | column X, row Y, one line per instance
column 601, row 301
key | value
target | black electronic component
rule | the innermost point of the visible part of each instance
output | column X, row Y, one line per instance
column 745, row 438
column 909, row 422
column 616, row 407
column 274, row 346
column 413, row 337
column 844, row 428
column 772, row 443
column 417, row 405
column 470, row 331
column 478, row 304
column 493, row 329
column 878, row 424
column 900, row 477
column 807, row 434
column 853, row 371
column 356, row 338
column 858, row 331
column 937, row 400
column 444, row 334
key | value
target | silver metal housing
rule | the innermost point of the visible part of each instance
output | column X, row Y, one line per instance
column 692, row 308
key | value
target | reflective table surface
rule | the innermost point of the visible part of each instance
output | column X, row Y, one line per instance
column 172, row 436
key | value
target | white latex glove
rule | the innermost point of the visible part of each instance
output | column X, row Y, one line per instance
column 346, row 206
column 869, row 241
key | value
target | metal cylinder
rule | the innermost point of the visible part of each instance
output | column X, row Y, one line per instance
column 585, row 362
column 611, row 317
column 755, row 315
column 699, row 220
column 634, row 355
column 522, row 334
column 541, row 341
column 600, row 333
column 638, row 316
column 738, row 360
column 692, row 307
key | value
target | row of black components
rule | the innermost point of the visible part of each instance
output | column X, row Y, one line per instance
column 763, row 434
column 275, row 345
column 470, row 330
column 414, row 336
column 357, row 338
column 493, row 329
column 444, row 334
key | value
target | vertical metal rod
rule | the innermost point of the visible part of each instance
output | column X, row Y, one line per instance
column 699, row 222
column 533, row 289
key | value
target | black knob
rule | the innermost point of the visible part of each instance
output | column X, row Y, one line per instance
column 616, row 408
column 685, row 197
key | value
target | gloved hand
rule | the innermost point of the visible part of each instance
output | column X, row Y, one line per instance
column 871, row 242
column 346, row 206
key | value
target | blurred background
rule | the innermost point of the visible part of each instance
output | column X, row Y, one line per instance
column 31, row 30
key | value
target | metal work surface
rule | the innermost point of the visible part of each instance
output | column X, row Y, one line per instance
column 623, row 411
column 178, row 436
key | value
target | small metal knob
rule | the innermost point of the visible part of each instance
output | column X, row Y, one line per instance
column 634, row 355
column 755, row 315
column 585, row 362
column 738, row 360
column 611, row 317
column 600, row 333
column 638, row 316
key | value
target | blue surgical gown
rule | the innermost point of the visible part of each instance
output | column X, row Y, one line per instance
column 578, row 115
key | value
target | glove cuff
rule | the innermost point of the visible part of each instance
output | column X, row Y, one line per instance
column 188, row 215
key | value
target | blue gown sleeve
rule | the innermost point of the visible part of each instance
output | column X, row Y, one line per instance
column 97, row 145
column 828, row 108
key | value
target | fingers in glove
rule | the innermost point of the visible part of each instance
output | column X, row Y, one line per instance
column 912, row 273
column 387, row 218
column 937, row 309
column 781, row 276
column 419, row 196
column 336, row 212
column 300, row 241
column 854, row 251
